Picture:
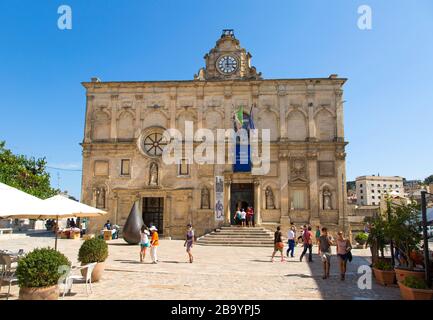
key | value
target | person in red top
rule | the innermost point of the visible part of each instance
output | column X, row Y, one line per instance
column 250, row 216
column 307, row 238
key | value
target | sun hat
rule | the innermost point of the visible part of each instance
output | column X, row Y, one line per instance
column 153, row 228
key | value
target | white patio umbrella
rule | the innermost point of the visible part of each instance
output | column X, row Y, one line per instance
column 15, row 204
column 70, row 208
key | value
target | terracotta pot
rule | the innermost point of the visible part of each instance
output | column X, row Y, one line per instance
column 415, row 294
column 383, row 277
column 401, row 274
column 46, row 293
column 97, row 271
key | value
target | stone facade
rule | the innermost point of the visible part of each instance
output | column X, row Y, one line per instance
column 124, row 120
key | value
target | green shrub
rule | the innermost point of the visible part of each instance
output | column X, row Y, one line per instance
column 361, row 238
column 414, row 283
column 40, row 268
column 383, row 265
column 93, row 250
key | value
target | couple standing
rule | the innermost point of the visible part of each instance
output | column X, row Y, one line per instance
column 145, row 243
column 344, row 254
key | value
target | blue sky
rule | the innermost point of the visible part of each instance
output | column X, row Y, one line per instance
column 388, row 113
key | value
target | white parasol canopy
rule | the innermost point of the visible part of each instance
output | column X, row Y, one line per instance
column 15, row 203
column 73, row 208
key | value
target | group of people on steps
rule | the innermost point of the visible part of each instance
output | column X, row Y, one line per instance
column 324, row 242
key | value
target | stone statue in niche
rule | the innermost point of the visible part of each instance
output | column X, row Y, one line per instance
column 205, row 200
column 327, row 204
column 153, row 174
column 270, row 204
column 100, row 197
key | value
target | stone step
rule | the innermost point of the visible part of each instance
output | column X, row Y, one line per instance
column 236, row 245
column 242, row 233
column 236, row 236
column 237, row 242
column 243, row 228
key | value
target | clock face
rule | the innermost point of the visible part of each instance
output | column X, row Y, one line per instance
column 227, row 64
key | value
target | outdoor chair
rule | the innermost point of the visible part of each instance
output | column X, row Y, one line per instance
column 8, row 272
column 71, row 278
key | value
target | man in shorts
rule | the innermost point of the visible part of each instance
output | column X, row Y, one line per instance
column 325, row 251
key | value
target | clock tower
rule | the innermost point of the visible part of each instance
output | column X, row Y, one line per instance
column 228, row 61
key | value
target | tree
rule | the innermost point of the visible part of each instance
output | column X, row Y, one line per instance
column 26, row 174
column 429, row 179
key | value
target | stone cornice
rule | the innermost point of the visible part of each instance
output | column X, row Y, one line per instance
column 193, row 83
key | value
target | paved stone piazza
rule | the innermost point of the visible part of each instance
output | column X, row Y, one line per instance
column 217, row 273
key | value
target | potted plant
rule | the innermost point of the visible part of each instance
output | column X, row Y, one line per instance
column 38, row 274
column 384, row 272
column 93, row 250
column 404, row 231
column 361, row 238
column 413, row 288
column 376, row 239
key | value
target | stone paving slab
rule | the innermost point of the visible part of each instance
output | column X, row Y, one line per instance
column 217, row 273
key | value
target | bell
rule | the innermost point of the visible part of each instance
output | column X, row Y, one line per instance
column 132, row 227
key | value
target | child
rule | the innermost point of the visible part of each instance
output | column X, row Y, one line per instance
column 154, row 243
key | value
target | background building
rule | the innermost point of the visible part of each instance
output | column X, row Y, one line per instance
column 122, row 147
column 370, row 190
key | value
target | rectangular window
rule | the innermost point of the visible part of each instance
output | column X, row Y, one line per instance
column 372, row 191
column 360, row 185
column 372, row 197
column 298, row 199
column 379, row 197
column 183, row 168
column 373, row 203
column 362, row 197
column 378, row 191
column 361, row 191
column 125, row 167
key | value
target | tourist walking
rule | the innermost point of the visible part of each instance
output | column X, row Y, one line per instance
column 343, row 251
column 317, row 235
column 278, row 244
column 301, row 236
column 291, row 242
column 144, row 242
column 307, row 238
column 154, row 243
column 243, row 217
column 189, row 241
column 237, row 216
column 250, row 216
column 325, row 251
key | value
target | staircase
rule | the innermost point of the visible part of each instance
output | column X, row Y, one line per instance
column 238, row 237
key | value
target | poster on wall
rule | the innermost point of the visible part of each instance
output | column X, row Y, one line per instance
column 219, row 198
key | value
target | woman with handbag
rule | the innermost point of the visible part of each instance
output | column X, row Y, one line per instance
column 344, row 248
column 278, row 244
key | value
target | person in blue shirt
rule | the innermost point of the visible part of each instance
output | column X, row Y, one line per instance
column 107, row 225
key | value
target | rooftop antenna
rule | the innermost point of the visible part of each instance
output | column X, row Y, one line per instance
column 58, row 180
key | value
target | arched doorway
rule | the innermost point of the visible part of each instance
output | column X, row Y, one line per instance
column 242, row 196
